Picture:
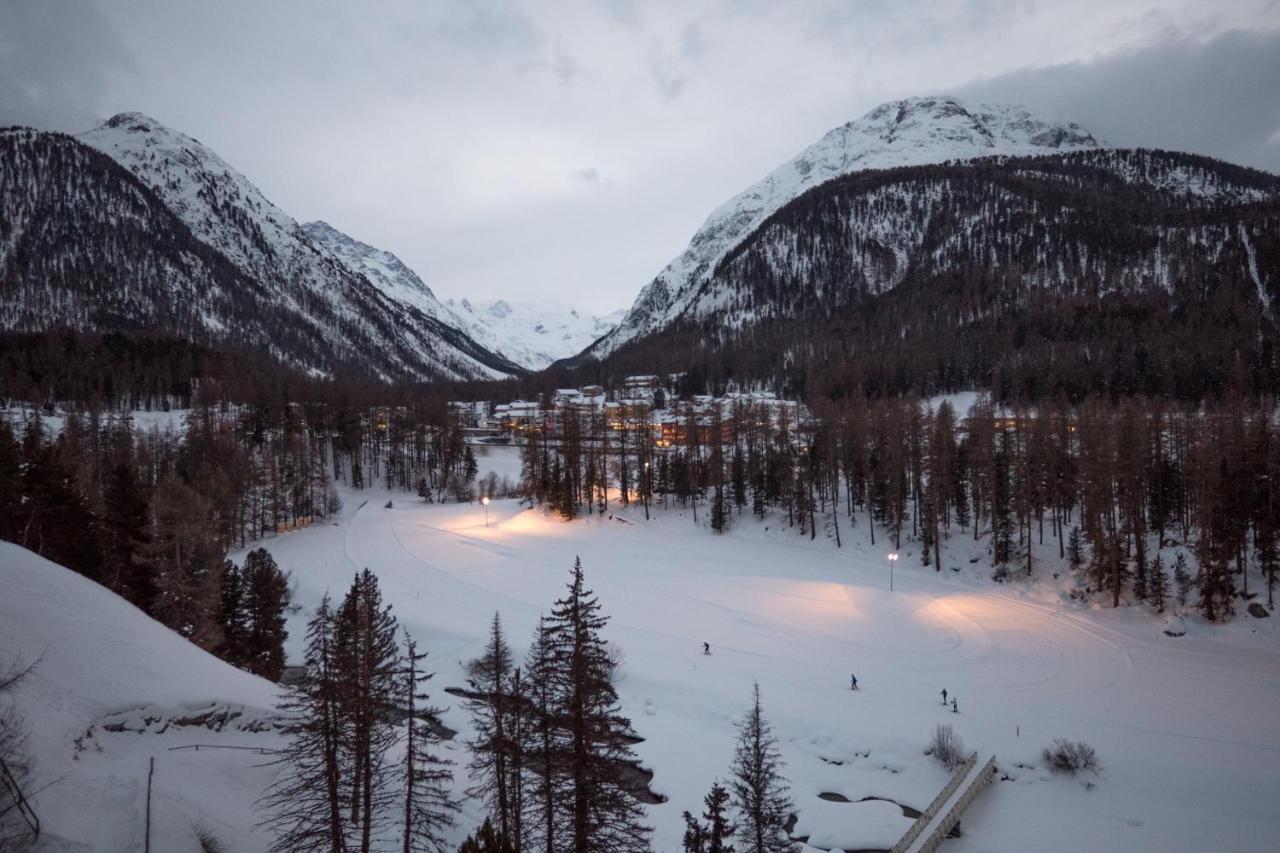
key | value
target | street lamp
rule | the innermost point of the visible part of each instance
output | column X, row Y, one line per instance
column 893, row 558
column 485, row 501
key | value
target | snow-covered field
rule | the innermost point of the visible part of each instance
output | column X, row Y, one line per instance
column 1186, row 728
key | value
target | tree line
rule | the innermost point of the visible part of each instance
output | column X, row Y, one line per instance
column 1106, row 484
column 152, row 514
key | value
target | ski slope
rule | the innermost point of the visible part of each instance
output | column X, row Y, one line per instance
column 1185, row 728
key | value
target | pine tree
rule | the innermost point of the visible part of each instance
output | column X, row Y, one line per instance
column 713, row 833
column 601, row 816
column 719, row 510
column 265, row 600
column 369, row 666
column 486, row 839
column 428, row 811
column 11, row 482
column 234, row 646
column 695, row 836
column 304, row 804
column 544, row 743
column 719, row 830
column 489, row 676
column 184, row 553
column 1158, row 584
column 760, row 796
column 1140, row 580
column 1075, row 549
column 518, row 736
column 124, row 533
column 1182, row 578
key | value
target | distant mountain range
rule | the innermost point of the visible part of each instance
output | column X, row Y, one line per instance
column 528, row 334
column 928, row 245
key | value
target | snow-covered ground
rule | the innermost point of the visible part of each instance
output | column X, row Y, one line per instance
column 1185, row 727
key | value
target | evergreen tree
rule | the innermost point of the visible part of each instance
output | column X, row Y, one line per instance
column 428, row 811
column 369, row 665
column 517, row 759
column 486, row 839
column 1182, row 578
column 1075, row 549
column 719, row 510
column 1158, row 584
column 695, row 836
column 56, row 521
column 759, row 791
column 10, row 483
column 234, row 646
column 601, row 816
column 489, row 704
column 124, row 533
column 1140, row 580
column 265, row 600
column 713, row 833
column 184, row 553
column 719, row 830
column 304, row 804
column 544, row 743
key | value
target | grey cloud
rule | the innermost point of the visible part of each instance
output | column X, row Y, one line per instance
column 1220, row 97
column 589, row 175
column 56, row 57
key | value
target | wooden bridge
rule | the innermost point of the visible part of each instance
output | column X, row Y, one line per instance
column 944, row 812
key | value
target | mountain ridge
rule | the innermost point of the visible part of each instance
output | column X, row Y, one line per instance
column 222, row 208
column 911, row 131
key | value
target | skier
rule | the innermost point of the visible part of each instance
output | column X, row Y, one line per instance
column 954, row 709
column 853, row 681
column 706, row 648
column 388, row 506
column 944, row 696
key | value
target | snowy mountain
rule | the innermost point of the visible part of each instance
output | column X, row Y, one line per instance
column 384, row 333
column 531, row 335
column 909, row 132
column 383, row 269
column 1104, row 270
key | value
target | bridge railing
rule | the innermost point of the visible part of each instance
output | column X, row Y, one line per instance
column 931, row 812
column 953, row 814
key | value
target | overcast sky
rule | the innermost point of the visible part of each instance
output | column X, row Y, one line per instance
column 568, row 150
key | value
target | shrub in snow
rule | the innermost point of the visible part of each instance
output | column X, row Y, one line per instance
column 947, row 747
column 1066, row 756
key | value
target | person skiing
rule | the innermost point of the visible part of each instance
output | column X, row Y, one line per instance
column 954, row 709
column 944, row 696
column 853, row 681
column 706, row 648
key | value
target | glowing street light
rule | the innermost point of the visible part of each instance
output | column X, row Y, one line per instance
column 893, row 558
column 485, row 501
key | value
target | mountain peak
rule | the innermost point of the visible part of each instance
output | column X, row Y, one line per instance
column 132, row 121
column 908, row 132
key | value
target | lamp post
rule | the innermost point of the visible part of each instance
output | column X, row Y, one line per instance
column 893, row 558
column 485, row 501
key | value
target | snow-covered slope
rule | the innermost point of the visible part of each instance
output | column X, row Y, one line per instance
column 909, row 132
column 227, row 212
column 533, row 334
column 111, row 689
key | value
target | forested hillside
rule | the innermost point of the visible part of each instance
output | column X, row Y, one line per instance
column 1120, row 272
